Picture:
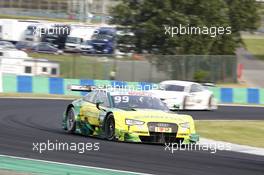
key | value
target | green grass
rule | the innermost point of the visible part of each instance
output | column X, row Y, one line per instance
column 235, row 131
column 233, row 85
column 255, row 46
column 76, row 66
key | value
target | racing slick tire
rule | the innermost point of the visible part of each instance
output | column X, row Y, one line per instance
column 184, row 103
column 70, row 121
column 209, row 106
column 110, row 127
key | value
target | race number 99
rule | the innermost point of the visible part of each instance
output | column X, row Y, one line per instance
column 121, row 99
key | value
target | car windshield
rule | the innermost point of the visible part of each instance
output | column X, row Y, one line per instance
column 30, row 30
column 102, row 37
column 138, row 101
column 73, row 40
column 87, row 42
column 22, row 43
column 5, row 43
column 170, row 87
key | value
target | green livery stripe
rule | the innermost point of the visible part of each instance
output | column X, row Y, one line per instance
column 52, row 168
column 70, row 82
column 9, row 83
column 40, row 85
column 240, row 95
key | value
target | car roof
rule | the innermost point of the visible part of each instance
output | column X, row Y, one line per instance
column 178, row 82
column 6, row 42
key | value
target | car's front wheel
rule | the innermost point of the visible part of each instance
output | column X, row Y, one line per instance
column 110, row 127
column 70, row 121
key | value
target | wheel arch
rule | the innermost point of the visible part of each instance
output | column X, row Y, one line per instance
column 69, row 107
column 106, row 116
column 108, row 113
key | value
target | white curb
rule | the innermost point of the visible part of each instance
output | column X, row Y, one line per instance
column 233, row 147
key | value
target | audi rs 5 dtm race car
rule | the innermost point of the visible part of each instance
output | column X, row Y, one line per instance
column 133, row 116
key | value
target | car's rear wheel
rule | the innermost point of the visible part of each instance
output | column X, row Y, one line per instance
column 210, row 101
column 110, row 127
column 184, row 103
column 70, row 121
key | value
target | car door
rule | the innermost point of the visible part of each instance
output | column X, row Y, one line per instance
column 89, row 111
column 196, row 93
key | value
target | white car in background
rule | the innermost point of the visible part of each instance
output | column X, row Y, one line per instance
column 185, row 95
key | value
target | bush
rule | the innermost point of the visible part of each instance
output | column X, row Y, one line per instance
column 201, row 76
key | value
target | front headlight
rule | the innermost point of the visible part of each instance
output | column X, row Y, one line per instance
column 185, row 125
column 131, row 122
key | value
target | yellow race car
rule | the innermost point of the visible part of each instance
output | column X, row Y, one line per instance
column 131, row 116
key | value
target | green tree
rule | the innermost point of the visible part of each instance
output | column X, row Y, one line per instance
column 148, row 18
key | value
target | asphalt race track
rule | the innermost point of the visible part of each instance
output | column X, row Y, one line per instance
column 24, row 122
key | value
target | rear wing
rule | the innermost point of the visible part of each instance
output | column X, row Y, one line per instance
column 208, row 84
column 83, row 88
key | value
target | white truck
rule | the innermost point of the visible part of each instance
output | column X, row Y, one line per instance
column 77, row 36
column 14, row 30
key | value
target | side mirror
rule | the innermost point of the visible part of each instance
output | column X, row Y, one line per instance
column 98, row 103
